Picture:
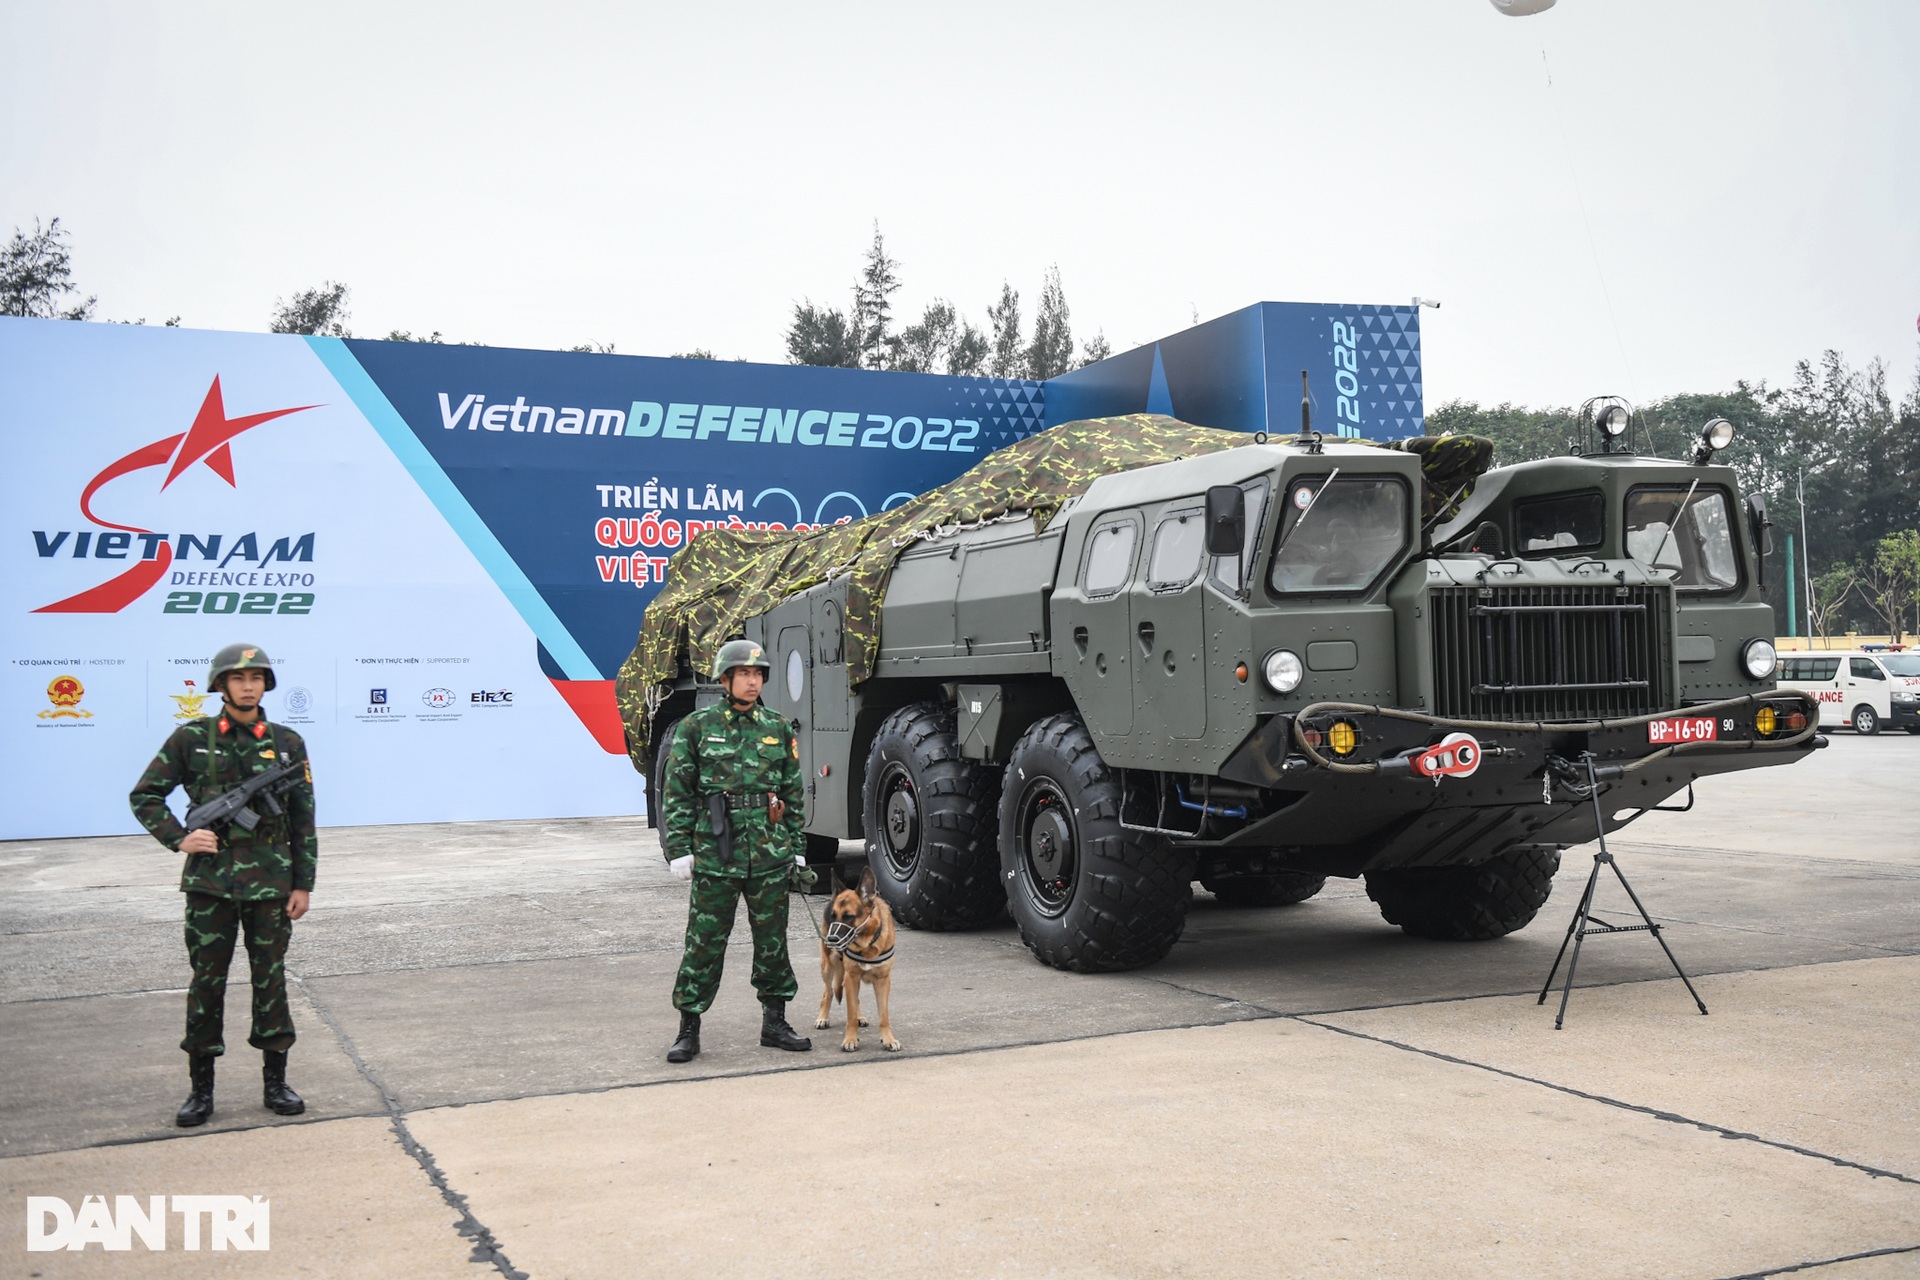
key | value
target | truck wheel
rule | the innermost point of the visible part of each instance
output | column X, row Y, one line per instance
column 1280, row 889
column 1865, row 722
column 1467, row 904
column 662, row 749
column 1088, row 894
column 930, row 823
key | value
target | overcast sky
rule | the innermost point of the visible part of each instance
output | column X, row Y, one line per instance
column 1704, row 192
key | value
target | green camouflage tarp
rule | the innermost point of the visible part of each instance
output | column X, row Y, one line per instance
column 726, row 576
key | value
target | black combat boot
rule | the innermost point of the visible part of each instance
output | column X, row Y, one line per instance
column 687, row 1047
column 278, row 1097
column 774, row 1031
column 199, row 1104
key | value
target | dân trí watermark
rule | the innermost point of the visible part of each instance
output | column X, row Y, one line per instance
column 213, row 1222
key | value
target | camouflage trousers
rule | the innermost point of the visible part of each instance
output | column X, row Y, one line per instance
column 212, row 926
column 710, row 910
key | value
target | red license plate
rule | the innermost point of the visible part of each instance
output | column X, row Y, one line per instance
column 1682, row 729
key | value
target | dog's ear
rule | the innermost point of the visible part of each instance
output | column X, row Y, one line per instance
column 866, row 885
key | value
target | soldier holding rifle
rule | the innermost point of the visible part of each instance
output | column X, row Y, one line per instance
column 251, row 850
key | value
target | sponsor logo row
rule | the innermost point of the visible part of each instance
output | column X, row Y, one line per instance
column 73, row 697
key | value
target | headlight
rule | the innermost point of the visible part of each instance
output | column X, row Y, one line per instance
column 1904, row 698
column 1717, row 434
column 1613, row 420
column 1283, row 670
column 1759, row 658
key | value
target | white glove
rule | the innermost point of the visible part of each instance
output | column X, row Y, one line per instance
column 682, row 868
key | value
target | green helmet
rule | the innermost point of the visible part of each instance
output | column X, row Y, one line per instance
column 240, row 657
column 739, row 653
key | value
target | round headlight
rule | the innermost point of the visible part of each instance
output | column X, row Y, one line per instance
column 1283, row 671
column 1613, row 420
column 1759, row 658
column 1717, row 434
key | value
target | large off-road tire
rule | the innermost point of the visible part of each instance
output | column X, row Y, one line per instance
column 656, row 785
column 1088, row 894
column 1468, row 904
column 1274, row 889
column 929, row 817
column 1865, row 722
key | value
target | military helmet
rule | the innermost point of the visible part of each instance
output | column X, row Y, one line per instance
column 240, row 657
column 739, row 653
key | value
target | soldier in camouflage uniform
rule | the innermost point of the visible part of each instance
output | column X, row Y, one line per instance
column 739, row 750
column 253, row 883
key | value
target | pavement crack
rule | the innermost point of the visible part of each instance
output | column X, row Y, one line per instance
column 1670, row 1117
column 486, row 1247
column 1827, row 1262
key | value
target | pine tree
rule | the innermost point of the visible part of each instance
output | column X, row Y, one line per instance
column 36, row 272
column 1007, row 358
column 1051, row 353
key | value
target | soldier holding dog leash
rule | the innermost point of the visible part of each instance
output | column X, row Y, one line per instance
column 731, row 822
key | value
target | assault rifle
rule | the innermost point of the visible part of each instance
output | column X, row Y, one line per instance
column 236, row 806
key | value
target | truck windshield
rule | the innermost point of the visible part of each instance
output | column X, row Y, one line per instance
column 1902, row 664
column 1694, row 544
column 1563, row 524
column 1339, row 536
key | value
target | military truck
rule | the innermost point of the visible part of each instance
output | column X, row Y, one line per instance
column 1125, row 655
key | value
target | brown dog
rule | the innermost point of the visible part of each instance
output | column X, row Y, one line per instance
column 858, row 948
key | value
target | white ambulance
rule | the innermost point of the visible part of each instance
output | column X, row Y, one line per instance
column 1867, row 690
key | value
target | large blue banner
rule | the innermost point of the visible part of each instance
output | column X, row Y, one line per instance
column 590, row 471
column 1242, row 372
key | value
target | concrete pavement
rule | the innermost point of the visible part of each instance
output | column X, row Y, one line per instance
column 1296, row 1091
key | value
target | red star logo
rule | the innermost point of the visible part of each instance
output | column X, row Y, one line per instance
column 208, row 440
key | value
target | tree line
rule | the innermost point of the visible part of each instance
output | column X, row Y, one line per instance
column 1834, row 454
column 862, row 335
column 36, row 279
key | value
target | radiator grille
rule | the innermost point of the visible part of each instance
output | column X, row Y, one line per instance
column 1551, row 652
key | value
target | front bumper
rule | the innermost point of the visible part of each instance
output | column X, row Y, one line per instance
column 1370, row 808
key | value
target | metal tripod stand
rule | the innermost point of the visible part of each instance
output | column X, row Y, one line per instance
column 1585, row 922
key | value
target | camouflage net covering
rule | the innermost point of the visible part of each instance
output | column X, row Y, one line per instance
column 726, row 576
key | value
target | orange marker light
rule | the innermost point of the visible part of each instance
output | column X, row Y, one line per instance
column 1240, row 673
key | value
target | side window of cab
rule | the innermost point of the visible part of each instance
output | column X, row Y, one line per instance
column 1178, row 543
column 1110, row 554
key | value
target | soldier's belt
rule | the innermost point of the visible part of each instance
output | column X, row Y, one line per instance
column 747, row 799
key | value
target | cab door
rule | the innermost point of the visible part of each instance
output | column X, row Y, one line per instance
column 1168, row 630
column 1099, row 638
